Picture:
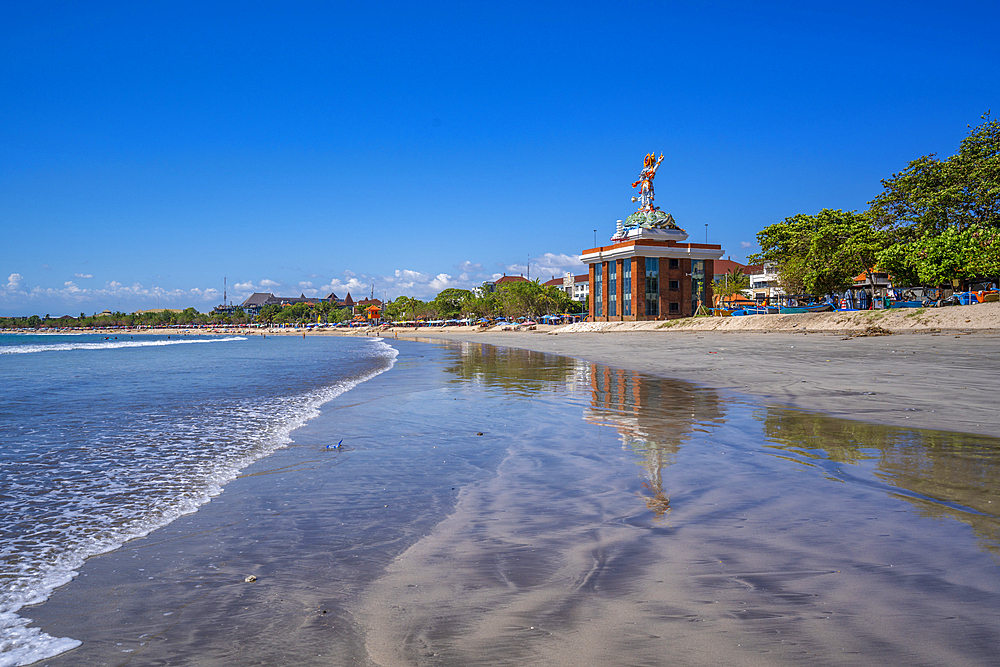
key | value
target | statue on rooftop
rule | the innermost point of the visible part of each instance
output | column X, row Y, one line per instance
column 649, row 216
column 649, row 166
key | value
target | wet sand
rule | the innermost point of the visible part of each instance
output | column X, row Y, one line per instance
column 928, row 380
column 603, row 517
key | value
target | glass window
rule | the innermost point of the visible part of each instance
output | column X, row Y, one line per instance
column 627, row 287
column 698, row 293
column 612, row 288
column 652, row 286
column 598, row 280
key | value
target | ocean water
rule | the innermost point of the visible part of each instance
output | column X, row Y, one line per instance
column 106, row 438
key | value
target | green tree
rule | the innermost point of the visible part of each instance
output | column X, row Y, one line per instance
column 296, row 313
column 986, row 251
column 338, row 315
column 268, row 313
column 931, row 195
column 953, row 254
column 530, row 299
column 731, row 283
column 403, row 308
column 449, row 302
column 483, row 304
column 822, row 253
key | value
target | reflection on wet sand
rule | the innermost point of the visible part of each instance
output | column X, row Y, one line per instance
column 764, row 560
column 521, row 372
column 953, row 475
column 653, row 419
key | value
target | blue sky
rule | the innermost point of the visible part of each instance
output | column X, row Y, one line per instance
column 147, row 150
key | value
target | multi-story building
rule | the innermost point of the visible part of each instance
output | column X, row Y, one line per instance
column 650, row 274
column 765, row 282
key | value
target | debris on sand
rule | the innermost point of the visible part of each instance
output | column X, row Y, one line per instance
column 871, row 330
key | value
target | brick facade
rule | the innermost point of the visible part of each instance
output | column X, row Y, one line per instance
column 675, row 278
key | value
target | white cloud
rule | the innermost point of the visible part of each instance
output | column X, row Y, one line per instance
column 410, row 276
column 441, row 281
column 559, row 260
column 341, row 288
column 746, row 244
column 14, row 283
column 467, row 266
column 269, row 283
column 248, row 286
column 305, row 284
column 515, row 269
column 71, row 293
column 82, row 275
column 552, row 264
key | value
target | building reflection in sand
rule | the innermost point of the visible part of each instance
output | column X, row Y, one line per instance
column 942, row 474
column 653, row 417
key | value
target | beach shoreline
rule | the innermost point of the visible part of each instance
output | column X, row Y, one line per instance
column 496, row 505
column 494, row 502
column 929, row 368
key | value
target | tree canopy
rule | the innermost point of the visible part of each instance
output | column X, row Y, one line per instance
column 932, row 195
column 934, row 222
column 822, row 253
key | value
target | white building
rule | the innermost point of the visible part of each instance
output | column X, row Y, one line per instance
column 575, row 287
column 764, row 281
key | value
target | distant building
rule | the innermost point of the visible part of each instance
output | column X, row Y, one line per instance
column 576, row 287
column 491, row 285
column 253, row 303
column 364, row 306
column 765, row 282
column 724, row 266
column 346, row 302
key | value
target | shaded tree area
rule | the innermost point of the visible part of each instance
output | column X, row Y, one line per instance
column 822, row 253
column 513, row 300
column 300, row 313
column 156, row 318
column 303, row 313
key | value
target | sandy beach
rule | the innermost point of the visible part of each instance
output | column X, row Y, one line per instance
column 626, row 498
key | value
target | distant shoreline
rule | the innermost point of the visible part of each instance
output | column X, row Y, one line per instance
column 953, row 319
